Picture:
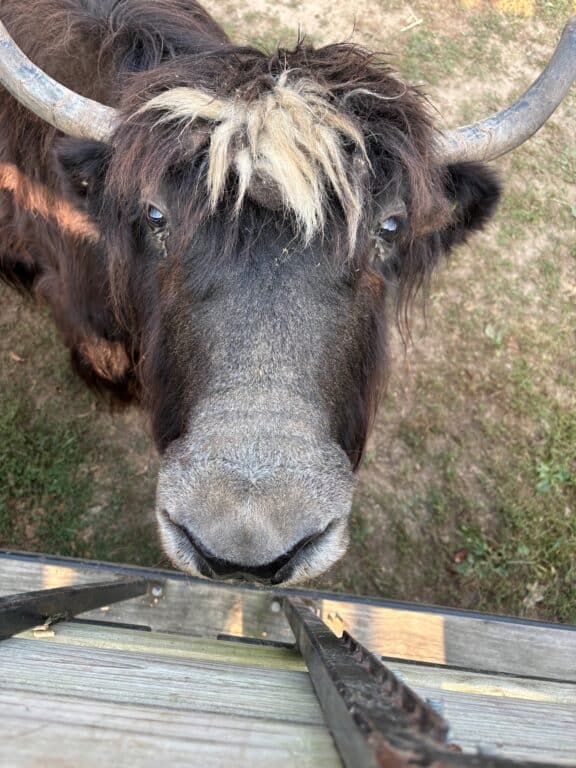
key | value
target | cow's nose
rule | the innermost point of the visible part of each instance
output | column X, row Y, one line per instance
column 275, row 572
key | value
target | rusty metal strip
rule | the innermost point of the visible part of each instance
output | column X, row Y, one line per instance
column 376, row 720
column 29, row 609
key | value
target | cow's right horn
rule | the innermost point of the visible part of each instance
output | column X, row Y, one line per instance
column 67, row 111
column 504, row 131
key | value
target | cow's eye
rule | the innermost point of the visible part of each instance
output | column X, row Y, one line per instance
column 390, row 228
column 155, row 219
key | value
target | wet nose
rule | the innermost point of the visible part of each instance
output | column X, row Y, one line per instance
column 275, row 572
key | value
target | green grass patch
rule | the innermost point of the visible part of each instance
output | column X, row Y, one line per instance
column 431, row 56
column 428, row 57
column 528, row 565
column 67, row 482
column 55, row 498
column 554, row 11
column 523, row 561
column 44, row 481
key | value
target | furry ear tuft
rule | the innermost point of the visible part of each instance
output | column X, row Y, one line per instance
column 83, row 164
column 475, row 191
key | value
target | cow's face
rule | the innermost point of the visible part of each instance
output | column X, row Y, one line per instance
column 252, row 239
column 274, row 353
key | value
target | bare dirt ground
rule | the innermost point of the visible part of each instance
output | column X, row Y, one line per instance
column 467, row 495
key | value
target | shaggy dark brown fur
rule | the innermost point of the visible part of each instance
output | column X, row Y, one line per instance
column 109, row 294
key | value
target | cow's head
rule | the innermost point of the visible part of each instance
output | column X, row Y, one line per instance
column 258, row 213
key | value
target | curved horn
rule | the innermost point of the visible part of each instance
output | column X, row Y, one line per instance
column 72, row 114
column 504, row 131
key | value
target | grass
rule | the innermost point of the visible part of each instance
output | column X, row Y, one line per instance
column 510, row 546
column 529, row 554
column 554, row 11
column 67, row 486
column 429, row 57
column 467, row 495
column 432, row 56
column 43, row 479
column 51, row 498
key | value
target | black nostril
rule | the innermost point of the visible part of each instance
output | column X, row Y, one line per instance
column 274, row 572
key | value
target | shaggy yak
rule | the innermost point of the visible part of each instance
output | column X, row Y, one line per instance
column 218, row 232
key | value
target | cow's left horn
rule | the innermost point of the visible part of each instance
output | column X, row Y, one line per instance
column 71, row 113
column 504, row 131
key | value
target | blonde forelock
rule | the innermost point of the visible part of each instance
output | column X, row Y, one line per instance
column 292, row 135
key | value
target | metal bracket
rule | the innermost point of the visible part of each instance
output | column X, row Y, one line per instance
column 46, row 606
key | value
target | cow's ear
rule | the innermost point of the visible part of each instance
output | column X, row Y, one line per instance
column 82, row 165
column 474, row 190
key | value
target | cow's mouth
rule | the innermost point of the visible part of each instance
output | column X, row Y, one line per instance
column 296, row 565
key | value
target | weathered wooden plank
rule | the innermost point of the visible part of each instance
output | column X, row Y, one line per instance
column 520, row 717
column 483, row 643
column 201, row 649
column 403, row 631
column 164, row 644
column 171, row 683
column 48, row 731
column 527, row 730
column 445, row 679
column 517, row 717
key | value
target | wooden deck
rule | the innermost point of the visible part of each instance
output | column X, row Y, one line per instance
column 146, row 695
column 81, row 694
